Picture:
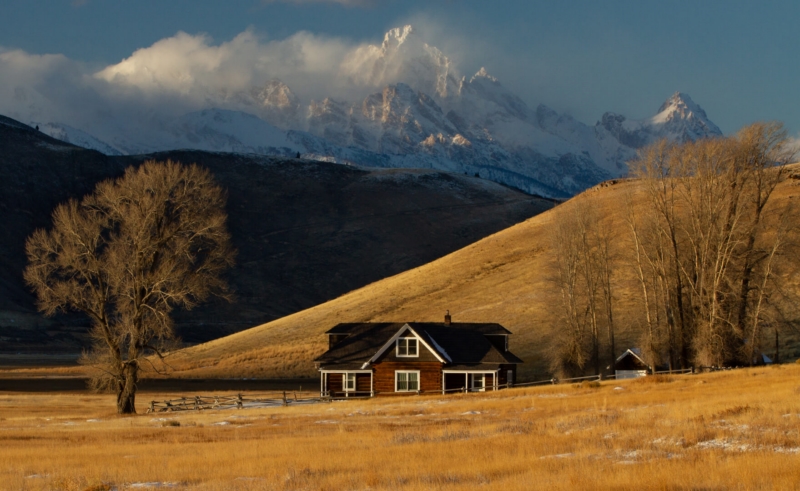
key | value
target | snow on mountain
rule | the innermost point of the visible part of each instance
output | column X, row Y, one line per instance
column 214, row 130
column 421, row 113
column 403, row 57
column 678, row 119
column 219, row 130
column 77, row 137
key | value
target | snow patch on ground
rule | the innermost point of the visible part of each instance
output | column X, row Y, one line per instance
column 154, row 484
column 558, row 456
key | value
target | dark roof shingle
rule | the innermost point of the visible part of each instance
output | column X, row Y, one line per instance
column 458, row 343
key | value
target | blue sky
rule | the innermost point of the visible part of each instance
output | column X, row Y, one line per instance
column 736, row 59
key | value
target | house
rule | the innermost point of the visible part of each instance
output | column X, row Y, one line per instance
column 631, row 365
column 367, row 359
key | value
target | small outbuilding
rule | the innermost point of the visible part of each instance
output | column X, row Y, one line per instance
column 631, row 365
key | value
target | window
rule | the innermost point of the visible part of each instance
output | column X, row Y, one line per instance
column 406, row 381
column 407, row 347
column 349, row 382
column 478, row 382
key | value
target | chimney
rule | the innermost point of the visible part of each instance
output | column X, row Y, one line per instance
column 447, row 318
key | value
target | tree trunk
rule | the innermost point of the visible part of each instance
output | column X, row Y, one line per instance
column 126, row 390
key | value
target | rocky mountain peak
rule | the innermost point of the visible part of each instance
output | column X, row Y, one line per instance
column 682, row 118
column 482, row 73
column 276, row 94
column 397, row 36
column 680, row 101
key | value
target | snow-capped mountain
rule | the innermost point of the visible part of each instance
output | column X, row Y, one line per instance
column 678, row 119
column 421, row 112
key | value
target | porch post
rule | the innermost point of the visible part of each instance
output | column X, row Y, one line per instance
column 466, row 382
column 442, row 382
column 321, row 383
column 371, row 385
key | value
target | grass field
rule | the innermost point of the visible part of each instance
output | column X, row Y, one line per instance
column 725, row 430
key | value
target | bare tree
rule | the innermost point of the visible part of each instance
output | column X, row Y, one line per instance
column 604, row 264
column 126, row 256
column 712, row 199
column 584, row 265
column 569, row 357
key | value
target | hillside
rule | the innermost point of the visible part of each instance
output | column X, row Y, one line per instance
column 503, row 278
column 306, row 231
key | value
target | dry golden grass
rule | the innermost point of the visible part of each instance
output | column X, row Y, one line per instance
column 732, row 430
column 503, row 278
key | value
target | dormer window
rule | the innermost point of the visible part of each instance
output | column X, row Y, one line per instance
column 407, row 347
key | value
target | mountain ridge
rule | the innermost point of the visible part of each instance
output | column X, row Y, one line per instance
column 419, row 109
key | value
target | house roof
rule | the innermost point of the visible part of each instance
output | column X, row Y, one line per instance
column 482, row 327
column 457, row 343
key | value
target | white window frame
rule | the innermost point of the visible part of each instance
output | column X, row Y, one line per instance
column 398, row 372
column 345, row 376
column 407, row 341
column 482, row 387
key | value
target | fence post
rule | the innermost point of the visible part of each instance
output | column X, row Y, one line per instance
column 284, row 398
column 152, row 407
column 239, row 402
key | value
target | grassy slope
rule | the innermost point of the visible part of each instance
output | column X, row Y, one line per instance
column 503, row 278
column 731, row 430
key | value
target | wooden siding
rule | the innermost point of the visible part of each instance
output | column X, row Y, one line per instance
column 334, row 382
column 430, row 374
column 362, row 382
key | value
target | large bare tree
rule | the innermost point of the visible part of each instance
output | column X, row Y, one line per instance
column 128, row 254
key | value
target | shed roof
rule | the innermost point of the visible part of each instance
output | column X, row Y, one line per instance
column 630, row 359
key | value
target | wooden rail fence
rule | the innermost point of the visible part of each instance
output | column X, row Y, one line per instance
column 285, row 398
column 238, row 401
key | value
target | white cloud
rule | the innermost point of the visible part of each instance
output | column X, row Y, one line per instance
column 192, row 67
column 188, row 72
column 793, row 147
